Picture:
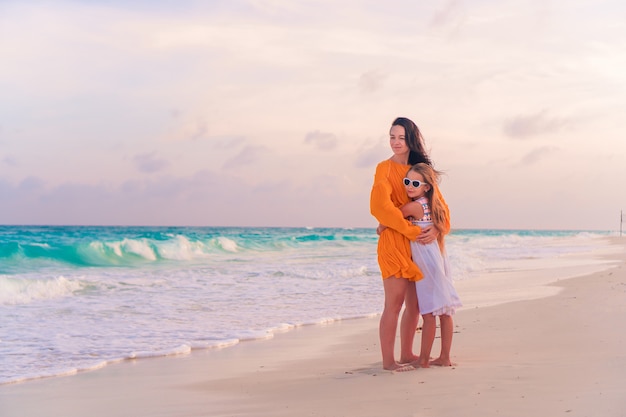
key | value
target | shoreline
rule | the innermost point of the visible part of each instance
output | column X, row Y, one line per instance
column 556, row 354
column 481, row 291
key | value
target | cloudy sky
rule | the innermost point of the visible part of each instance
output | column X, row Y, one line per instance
column 276, row 112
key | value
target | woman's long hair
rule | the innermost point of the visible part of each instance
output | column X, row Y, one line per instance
column 414, row 140
column 437, row 209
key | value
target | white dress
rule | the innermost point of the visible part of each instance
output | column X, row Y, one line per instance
column 435, row 292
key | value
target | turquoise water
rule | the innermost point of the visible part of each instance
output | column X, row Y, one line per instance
column 28, row 248
column 77, row 298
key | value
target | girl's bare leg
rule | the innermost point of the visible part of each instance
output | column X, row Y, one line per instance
column 408, row 325
column 428, row 337
column 447, row 329
column 395, row 289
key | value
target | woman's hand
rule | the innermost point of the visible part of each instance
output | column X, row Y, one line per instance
column 429, row 234
column 380, row 229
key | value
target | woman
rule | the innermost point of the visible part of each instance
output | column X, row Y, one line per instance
column 398, row 271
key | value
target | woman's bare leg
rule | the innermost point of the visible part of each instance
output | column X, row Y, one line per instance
column 428, row 337
column 408, row 325
column 395, row 289
column 447, row 329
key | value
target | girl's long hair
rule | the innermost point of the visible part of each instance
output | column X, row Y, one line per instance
column 437, row 208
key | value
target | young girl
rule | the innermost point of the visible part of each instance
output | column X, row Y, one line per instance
column 435, row 293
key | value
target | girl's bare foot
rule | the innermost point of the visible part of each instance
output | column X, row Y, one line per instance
column 442, row 362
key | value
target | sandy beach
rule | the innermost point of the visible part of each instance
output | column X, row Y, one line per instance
column 561, row 354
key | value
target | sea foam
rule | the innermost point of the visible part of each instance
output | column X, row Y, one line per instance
column 23, row 291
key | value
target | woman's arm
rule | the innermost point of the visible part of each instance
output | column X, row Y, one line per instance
column 411, row 209
column 383, row 209
column 429, row 234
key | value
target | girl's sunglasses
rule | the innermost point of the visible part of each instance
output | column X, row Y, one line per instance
column 414, row 183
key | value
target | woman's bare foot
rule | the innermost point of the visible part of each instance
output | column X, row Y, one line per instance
column 409, row 360
column 442, row 362
column 405, row 368
column 417, row 363
column 420, row 363
column 424, row 364
column 396, row 367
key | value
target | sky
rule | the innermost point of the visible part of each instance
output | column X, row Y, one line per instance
column 276, row 112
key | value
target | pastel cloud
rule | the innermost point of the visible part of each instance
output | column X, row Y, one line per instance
column 149, row 162
column 371, row 81
column 322, row 140
column 528, row 126
column 538, row 154
column 249, row 155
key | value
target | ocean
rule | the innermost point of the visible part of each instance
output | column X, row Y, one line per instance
column 76, row 298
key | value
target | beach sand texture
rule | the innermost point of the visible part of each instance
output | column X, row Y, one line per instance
column 561, row 355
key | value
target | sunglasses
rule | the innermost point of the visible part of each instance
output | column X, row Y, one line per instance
column 414, row 183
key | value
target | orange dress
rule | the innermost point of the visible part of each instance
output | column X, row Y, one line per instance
column 394, row 250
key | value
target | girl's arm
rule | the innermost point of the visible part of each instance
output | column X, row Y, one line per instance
column 432, row 233
column 416, row 210
column 412, row 209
